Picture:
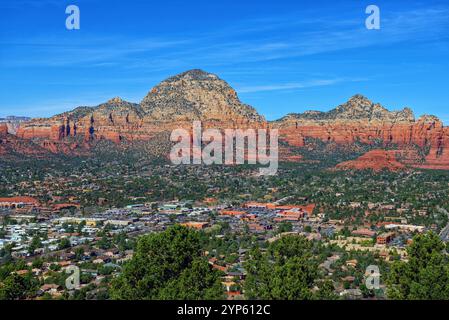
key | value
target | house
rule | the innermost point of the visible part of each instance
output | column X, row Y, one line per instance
column 232, row 213
column 64, row 263
column 52, row 289
column 293, row 214
column 19, row 202
column 22, row 272
column 257, row 205
column 210, row 200
column 352, row 263
column 121, row 223
column 256, row 227
column 218, row 267
column 306, row 210
column 112, row 252
column 385, row 238
column 352, row 294
column 348, row 279
column 195, row 225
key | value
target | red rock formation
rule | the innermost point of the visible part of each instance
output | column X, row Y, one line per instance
column 349, row 132
column 376, row 160
column 3, row 129
column 96, row 126
column 15, row 148
column 196, row 95
column 427, row 131
column 438, row 157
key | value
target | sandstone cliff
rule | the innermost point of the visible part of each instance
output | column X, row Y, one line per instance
column 3, row 129
column 198, row 95
column 357, row 109
column 360, row 120
column 174, row 103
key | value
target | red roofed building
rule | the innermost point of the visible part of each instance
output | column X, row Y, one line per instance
column 257, row 205
column 195, row 225
column 385, row 238
column 18, row 202
column 232, row 213
column 308, row 208
column 219, row 268
column 364, row 233
column 285, row 207
column 292, row 215
column 249, row 217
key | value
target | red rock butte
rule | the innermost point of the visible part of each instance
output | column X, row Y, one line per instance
column 376, row 160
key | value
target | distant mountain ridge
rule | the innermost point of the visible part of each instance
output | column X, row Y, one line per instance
column 197, row 95
column 189, row 96
column 14, row 118
column 358, row 108
column 114, row 105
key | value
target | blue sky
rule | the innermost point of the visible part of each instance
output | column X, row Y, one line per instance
column 280, row 56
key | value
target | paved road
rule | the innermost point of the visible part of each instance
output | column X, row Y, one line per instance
column 444, row 234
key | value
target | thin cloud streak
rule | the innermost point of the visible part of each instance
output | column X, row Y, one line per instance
column 290, row 86
column 224, row 48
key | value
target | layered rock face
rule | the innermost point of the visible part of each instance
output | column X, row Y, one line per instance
column 420, row 133
column 360, row 120
column 174, row 103
column 112, row 120
column 196, row 95
column 3, row 129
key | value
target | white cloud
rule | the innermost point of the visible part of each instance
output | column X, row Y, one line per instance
column 295, row 85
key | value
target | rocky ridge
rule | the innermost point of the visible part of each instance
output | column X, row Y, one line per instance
column 198, row 95
column 358, row 108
